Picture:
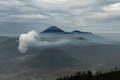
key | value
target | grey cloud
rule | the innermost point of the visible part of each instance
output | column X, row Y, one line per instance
column 79, row 14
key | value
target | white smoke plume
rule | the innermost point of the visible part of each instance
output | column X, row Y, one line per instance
column 32, row 39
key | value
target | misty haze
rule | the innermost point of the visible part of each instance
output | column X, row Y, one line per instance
column 55, row 52
column 52, row 40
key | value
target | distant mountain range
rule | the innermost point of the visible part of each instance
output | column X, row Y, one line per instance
column 55, row 29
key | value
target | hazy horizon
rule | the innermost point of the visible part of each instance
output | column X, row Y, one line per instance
column 96, row 16
column 112, row 36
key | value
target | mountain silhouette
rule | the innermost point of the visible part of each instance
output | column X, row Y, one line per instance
column 53, row 29
column 77, row 31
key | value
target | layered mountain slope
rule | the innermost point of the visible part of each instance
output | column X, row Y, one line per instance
column 51, row 58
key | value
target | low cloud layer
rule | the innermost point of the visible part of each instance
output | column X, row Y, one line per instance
column 32, row 39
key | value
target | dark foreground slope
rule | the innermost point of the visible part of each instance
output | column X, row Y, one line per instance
column 112, row 75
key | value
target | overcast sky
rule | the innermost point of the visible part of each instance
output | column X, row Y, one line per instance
column 97, row 16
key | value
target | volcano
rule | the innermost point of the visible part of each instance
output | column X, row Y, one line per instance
column 53, row 29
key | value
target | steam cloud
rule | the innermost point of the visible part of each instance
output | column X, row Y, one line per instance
column 32, row 39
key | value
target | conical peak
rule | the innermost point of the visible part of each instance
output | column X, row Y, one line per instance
column 53, row 29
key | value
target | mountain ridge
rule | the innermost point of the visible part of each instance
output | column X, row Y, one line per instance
column 55, row 29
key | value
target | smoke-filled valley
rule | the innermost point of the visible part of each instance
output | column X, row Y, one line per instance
column 43, row 56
